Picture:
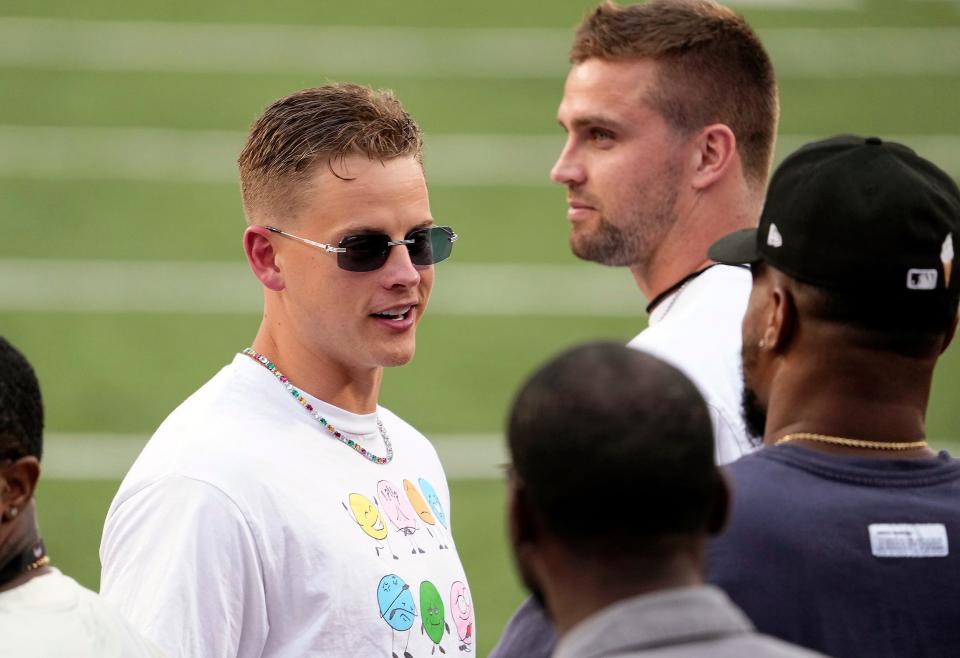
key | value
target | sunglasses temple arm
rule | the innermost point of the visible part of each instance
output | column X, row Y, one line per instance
column 326, row 247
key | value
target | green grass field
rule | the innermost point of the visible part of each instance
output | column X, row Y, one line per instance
column 486, row 99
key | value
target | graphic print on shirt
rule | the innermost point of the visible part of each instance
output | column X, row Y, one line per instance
column 398, row 610
column 432, row 621
column 461, row 609
column 433, row 500
column 422, row 510
column 400, row 513
column 367, row 515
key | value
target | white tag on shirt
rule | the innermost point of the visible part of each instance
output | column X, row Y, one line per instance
column 908, row 540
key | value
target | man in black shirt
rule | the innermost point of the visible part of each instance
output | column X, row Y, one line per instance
column 845, row 527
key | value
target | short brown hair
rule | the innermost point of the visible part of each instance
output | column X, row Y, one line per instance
column 712, row 68
column 319, row 125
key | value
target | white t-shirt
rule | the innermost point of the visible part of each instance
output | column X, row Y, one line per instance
column 51, row 615
column 697, row 329
column 245, row 529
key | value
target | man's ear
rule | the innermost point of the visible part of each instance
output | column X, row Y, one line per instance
column 18, row 481
column 716, row 151
column 262, row 258
column 522, row 523
column 782, row 319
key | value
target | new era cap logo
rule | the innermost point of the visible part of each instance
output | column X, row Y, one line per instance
column 774, row 239
column 918, row 279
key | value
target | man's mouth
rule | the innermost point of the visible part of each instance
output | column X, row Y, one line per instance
column 395, row 313
column 577, row 210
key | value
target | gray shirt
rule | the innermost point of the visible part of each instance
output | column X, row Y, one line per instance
column 694, row 622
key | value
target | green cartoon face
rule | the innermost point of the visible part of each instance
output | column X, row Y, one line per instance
column 431, row 607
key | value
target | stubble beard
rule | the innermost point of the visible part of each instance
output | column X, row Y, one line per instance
column 754, row 413
column 530, row 583
column 651, row 213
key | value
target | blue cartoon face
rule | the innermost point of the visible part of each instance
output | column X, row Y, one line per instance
column 396, row 602
column 433, row 500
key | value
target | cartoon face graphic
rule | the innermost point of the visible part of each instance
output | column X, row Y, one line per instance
column 397, row 507
column 431, row 610
column 434, row 501
column 419, row 504
column 461, row 609
column 367, row 516
column 396, row 602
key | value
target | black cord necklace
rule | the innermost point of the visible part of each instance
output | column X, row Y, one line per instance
column 679, row 284
column 28, row 560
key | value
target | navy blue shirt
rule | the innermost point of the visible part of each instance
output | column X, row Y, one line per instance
column 847, row 556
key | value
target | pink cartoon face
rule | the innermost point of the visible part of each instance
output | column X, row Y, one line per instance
column 461, row 609
column 397, row 508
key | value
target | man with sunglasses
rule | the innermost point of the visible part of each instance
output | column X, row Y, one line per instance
column 280, row 510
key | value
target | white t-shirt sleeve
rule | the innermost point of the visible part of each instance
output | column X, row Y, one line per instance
column 180, row 562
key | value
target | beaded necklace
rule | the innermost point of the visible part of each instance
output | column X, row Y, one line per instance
column 266, row 363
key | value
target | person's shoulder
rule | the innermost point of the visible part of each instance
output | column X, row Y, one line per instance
column 403, row 433
column 761, row 470
column 209, row 432
column 225, row 396
column 702, row 321
column 721, row 291
column 107, row 621
column 757, row 645
column 87, row 624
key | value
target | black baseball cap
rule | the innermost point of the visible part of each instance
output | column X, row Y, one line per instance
column 860, row 215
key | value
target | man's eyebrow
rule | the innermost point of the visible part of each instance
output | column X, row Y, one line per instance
column 595, row 120
column 367, row 229
column 358, row 229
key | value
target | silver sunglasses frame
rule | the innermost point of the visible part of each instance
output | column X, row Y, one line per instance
column 330, row 249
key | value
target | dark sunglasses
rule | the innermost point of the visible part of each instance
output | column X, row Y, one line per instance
column 369, row 251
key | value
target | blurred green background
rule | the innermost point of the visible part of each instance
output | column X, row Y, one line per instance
column 121, row 273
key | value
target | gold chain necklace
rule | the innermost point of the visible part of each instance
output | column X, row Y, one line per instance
column 851, row 443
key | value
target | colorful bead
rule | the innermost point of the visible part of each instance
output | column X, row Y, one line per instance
column 323, row 421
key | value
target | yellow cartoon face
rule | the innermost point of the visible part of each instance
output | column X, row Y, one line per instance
column 419, row 504
column 367, row 516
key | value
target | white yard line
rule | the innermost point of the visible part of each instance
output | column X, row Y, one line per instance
column 208, row 156
column 69, row 456
column 320, row 51
column 461, row 289
column 804, row 5
column 109, row 456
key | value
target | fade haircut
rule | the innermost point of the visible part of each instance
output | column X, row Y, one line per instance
column 21, row 408
column 711, row 68
column 614, row 452
column 314, row 127
column 898, row 325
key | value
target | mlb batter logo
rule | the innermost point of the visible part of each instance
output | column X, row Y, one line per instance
column 918, row 279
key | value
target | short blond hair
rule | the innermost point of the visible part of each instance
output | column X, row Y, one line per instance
column 316, row 126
